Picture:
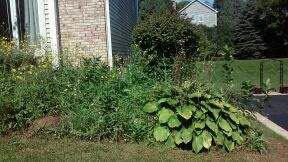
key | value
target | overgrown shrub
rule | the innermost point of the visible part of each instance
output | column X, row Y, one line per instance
column 92, row 100
column 187, row 116
column 162, row 36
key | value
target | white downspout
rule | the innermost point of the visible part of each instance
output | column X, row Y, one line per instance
column 108, row 33
column 14, row 21
column 41, row 15
column 53, row 21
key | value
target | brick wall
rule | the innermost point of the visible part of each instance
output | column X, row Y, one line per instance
column 83, row 28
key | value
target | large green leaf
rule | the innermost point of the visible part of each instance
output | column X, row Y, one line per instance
column 214, row 111
column 237, row 137
column 172, row 102
column 223, row 124
column 234, row 118
column 199, row 124
column 212, row 125
column 186, row 135
column 229, row 134
column 186, row 111
column 219, row 138
column 230, row 145
column 164, row 115
column 161, row 133
column 170, row 142
column 150, row 107
column 207, row 139
column 197, row 143
column 230, row 107
column 178, row 138
column 174, row 122
column 217, row 104
column 244, row 121
column 198, row 114
column 163, row 100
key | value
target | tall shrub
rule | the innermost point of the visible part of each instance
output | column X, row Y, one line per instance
column 163, row 37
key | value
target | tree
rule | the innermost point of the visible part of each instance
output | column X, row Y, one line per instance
column 262, row 30
column 218, row 4
column 273, row 24
column 248, row 40
column 227, row 19
column 182, row 4
column 149, row 7
column 166, row 37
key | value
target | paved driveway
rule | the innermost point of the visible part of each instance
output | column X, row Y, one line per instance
column 276, row 109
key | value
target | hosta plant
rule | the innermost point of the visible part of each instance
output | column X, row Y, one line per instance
column 199, row 120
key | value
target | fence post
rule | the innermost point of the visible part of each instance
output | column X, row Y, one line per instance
column 281, row 76
column 261, row 74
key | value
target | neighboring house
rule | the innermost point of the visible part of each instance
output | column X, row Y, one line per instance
column 200, row 13
column 100, row 28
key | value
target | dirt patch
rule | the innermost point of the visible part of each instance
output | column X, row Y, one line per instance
column 42, row 123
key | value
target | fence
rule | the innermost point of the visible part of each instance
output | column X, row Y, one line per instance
column 256, row 71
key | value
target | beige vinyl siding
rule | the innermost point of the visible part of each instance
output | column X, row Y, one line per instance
column 198, row 11
column 123, row 17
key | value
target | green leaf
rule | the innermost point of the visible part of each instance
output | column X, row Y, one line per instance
column 217, row 104
column 204, row 107
column 170, row 142
column 219, row 139
column 178, row 138
column 224, row 125
column 161, row 133
column 244, row 121
column 186, row 135
column 230, row 145
column 150, row 107
column 199, row 125
column 237, row 137
column 198, row 114
column 163, row 100
column 195, row 95
column 186, row 111
column 215, row 112
column 212, row 125
column 172, row 102
column 234, row 118
column 174, row 122
column 232, row 125
column 164, row 115
column 197, row 143
column 230, row 107
column 229, row 134
column 207, row 139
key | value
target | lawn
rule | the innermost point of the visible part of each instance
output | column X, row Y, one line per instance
column 249, row 70
column 55, row 149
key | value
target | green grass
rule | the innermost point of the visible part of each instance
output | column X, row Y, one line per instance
column 47, row 148
column 248, row 70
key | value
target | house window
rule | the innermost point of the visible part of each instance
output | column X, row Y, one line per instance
column 199, row 18
column 28, row 20
column 5, row 25
column 19, row 19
